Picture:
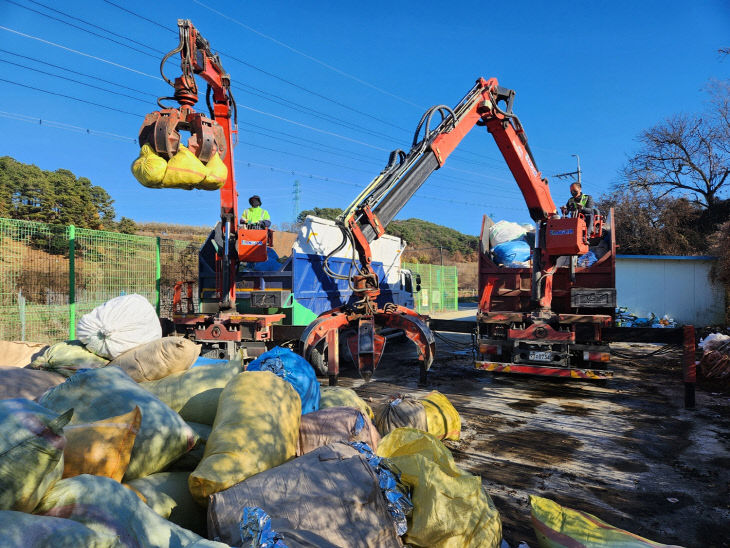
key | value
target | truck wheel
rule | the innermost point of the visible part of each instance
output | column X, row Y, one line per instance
column 318, row 355
column 318, row 359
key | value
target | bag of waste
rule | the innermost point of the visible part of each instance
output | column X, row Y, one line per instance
column 442, row 419
column 66, row 358
column 512, row 253
column 294, row 369
column 560, row 527
column 270, row 264
column 335, row 396
column 98, row 394
column 19, row 382
column 31, row 452
column 101, row 448
column 194, row 393
column 167, row 494
column 327, row 498
column 118, row 325
column 21, row 530
column 450, row 508
column 400, row 411
column 587, row 259
column 149, row 168
column 256, row 428
column 333, row 424
column 190, row 460
column 19, row 353
column 106, row 506
column 158, row 359
column 713, row 341
column 184, row 170
column 216, row 174
column 505, row 231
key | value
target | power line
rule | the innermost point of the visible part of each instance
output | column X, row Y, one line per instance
column 264, row 113
column 77, row 27
column 97, row 26
column 311, row 111
column 75, row 81
column 70, row 97
column 62, row 125
column 48, row 42
column 310, row 57
column 77, row 129
column 243, row 163
column 66, row 69
column 140, row 16
column 270, row 74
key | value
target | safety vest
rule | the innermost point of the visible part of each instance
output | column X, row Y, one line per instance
column 253, row 215
column 580, row 201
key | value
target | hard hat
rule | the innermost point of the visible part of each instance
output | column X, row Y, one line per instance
column 254, row 197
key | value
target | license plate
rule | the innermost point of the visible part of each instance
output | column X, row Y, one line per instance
column 541, row 356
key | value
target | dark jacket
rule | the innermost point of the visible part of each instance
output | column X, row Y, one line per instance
column 583, row 204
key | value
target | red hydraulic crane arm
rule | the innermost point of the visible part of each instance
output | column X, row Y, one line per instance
column 197, row 58
column 510, row 138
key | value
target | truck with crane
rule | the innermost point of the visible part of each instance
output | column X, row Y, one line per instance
column 528, row 330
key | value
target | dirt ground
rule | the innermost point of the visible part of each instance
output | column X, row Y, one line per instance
column 625, row 450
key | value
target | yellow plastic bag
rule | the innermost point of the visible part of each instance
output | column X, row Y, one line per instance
column 443, row 420
column 217, row 172
column 450, row 507
column 256, row 428
column 149, row 168
column 184, row 170
column 559, row 527
column 101, row 448
column 334, row 396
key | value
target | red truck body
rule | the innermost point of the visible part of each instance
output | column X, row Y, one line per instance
column 583, row 303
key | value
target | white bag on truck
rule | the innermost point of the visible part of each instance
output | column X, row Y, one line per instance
column 118, row 325
column 505, row 231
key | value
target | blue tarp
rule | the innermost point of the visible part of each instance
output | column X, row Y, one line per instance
column 508, row 253
column 295, row 370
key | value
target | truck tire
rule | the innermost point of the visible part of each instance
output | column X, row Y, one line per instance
column 318, row 359
column 318, row 356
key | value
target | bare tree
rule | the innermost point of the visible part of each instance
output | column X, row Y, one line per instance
column 686, row 154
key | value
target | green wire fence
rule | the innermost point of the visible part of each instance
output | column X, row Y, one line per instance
column 439, row 288
column 50, row 275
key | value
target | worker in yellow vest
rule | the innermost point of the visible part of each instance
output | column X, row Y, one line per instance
column 255, row 216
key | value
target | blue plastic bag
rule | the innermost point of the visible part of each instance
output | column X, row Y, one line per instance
column 295, row 370
column 508, row 253
column 587, row 259
column 256, row 531
column 270, row 264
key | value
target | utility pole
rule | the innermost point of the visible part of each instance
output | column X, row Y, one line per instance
column 574, row 175
column 296, row 199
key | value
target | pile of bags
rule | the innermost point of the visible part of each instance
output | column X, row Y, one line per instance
column 184, row 170
column 509, row 244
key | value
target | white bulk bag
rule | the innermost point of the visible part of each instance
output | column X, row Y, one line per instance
column 118, row 325
column 505, row 231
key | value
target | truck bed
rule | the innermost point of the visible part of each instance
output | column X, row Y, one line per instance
column 626, row 450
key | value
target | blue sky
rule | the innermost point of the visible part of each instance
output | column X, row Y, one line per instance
column 326, row 89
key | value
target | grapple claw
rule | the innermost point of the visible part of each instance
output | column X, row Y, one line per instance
column 365, row 344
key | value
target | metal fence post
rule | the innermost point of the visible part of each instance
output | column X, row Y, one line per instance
column 158, row 275
column 71, row 282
